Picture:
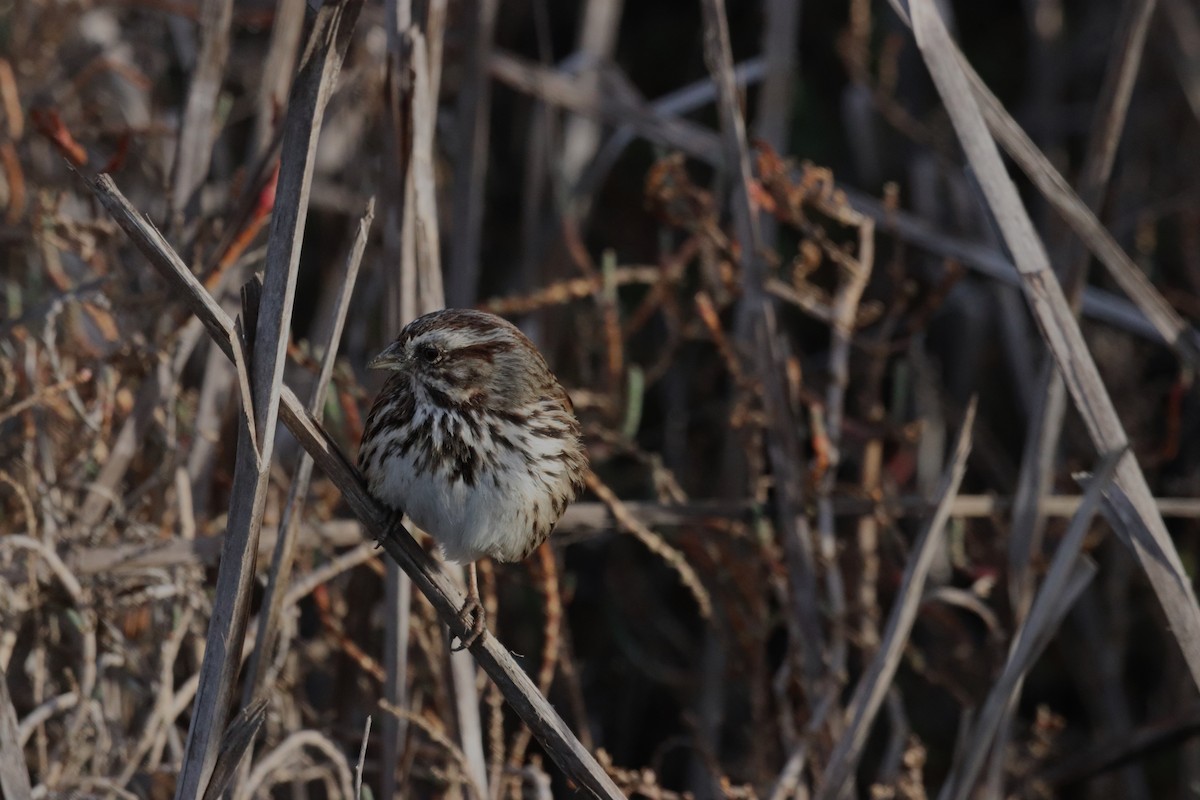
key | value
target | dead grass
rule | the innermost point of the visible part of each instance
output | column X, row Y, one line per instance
column 842, row 536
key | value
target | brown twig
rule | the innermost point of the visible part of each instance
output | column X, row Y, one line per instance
column 653, row 542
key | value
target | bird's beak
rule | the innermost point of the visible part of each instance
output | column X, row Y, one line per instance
column 388, row 359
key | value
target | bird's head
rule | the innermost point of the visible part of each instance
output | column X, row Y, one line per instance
column 463, row 357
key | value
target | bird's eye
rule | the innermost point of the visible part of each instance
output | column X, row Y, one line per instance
column 429, row 354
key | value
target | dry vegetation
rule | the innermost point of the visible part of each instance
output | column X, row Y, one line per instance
column 850, row 534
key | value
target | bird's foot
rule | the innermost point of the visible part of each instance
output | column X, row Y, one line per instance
column 474, row 619
column 394, row 520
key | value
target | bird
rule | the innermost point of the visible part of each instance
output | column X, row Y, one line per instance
column 474, row 438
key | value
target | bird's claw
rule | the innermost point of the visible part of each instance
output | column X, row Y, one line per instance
column 394, row 519
column 474, row 619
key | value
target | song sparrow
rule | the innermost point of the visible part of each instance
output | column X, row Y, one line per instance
column 474, row 438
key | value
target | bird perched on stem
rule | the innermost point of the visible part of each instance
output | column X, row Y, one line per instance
column 474, row 438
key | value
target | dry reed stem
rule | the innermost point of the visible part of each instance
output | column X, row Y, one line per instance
column 1155, row 550
column 311, row 91
column 1042, row 438
column 783, row 447
column 362, row 758
column 471, row 162
column 14, row 775
column 280, row 570
column 496, row 753
column 1041, row 442
column 196, row 131
column 787, row 784
column 440, row 738
column 661, row 127
column 470, row 724
column 1175, row 331
column 1068, row 574
column 873, row 685
column 411, row 241
column 288, row 749
column 595, row 45
column 755, row 326
column 235, row 742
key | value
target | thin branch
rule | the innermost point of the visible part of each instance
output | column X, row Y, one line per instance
column 362, row 759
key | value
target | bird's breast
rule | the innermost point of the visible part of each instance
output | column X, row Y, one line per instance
column 479, row 483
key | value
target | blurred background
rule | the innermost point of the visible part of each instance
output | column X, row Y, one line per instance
column 701, row 622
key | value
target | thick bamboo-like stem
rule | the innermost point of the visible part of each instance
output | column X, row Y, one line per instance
column 259, row 351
